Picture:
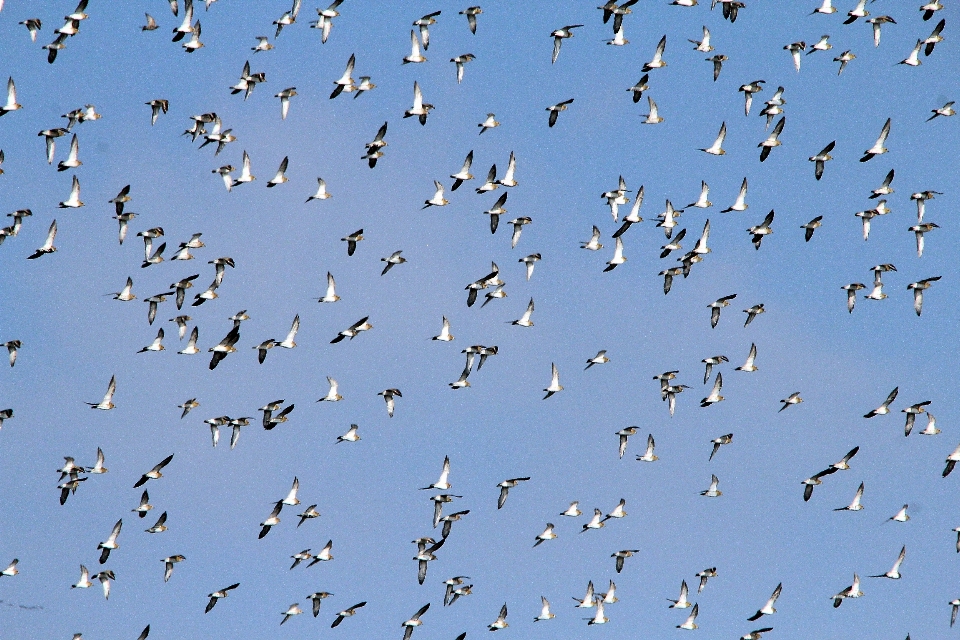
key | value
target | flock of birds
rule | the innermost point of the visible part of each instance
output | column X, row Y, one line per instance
column 213, row 132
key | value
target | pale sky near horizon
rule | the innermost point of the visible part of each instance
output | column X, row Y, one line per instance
column 759, row 533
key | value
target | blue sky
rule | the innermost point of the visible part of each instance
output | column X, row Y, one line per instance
column 758, row 533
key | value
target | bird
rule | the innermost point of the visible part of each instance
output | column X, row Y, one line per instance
column 946, row 111
column 753, row 312
column 73, row 202
column 156, row 345
column 169, row 563
column 740, row 203
column 556, row 109
column 853, row 591
column 913, row 60
column 593, row 244
column 822, row 44
column 751, row 357
column 719, row 442
column 544, row 611
column 877, row 23
column 795, row 49
column 11, row 104
column 810, row 227
column 748, row 90
column 84, row 581
column 624, row 434
column 346, row 613
column 471, row 13
column 618, row 511
column 851, row 290
column 709, row 363
column 599, row 617
column 154, row 473
column 717, row 61
column 518, row 224
column 900, row 516
column 107, row 403
column 654, row 116
column 325, row 19
column 657, row 62
column 689, row 623
column 878, row 148
column 425, row 555
column 225, row 347
column 894, row 573
column 682, row 602
column 844, row 58
column 442, row 484
column 912, row 411
column 292, row 610
column 420, row 108
column 12, row 350
column 767, row 609
column 33, row 25
column 245, row 175
column 931, row 428
column 501, row 621
column 461, row 61
column 316, row 598
column 263, row 44
column 505, row 487
column 558, row 36
column 855, row 503
column 704, row 44
column 554, row 382
column 918, row 288
column 489, row 123
column 825, row 8
column 951, row 461
column 712, row 491
column 110, row 543
column 322, row 193
column 714, row 396
column 524, row 320
column 331, row 293
column 413, row 622
column 388, row 396
column 638, row 89
column 156, row 107
column 424, row 25
column 921, row 198
column 821, row 158
column 437, row 200
column 345, row 82
column 618, row 257
column 621, row 556
column 705, row 575
column 352, row 241
column 11, row 569
column 884, row 408
column 595, row 523
column 715, row 308
column 333, row 394
column 72, row 161
column 217, row 595
column 548, row 534
column 648, row 455
column 793, row 398
column 354, row 330
column 773, row 140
